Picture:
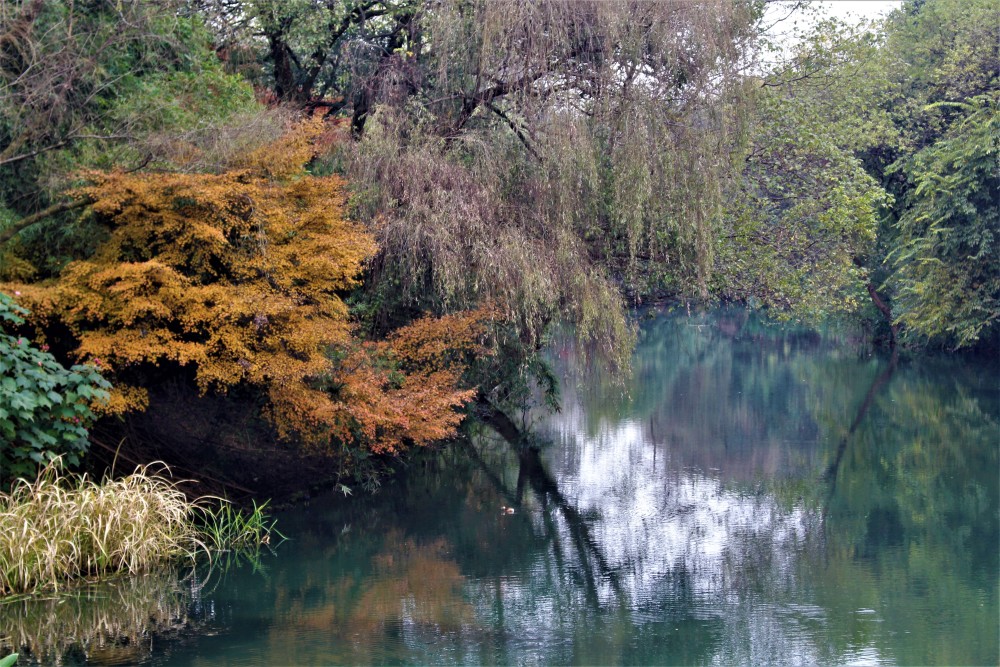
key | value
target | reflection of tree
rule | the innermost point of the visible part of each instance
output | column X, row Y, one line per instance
column 408, row 588
column 577, row 571
column 412, row 583
column 532, row 472
column 909, row 527
column 911, row 522
column 721, row 385
column 880, row 381
column 727, row 567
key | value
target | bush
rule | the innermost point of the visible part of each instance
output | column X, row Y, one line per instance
column 237, row 280
column 45, row 409
column 57, row 529
column 61, row 528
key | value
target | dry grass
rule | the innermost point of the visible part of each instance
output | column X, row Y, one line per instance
column 59, row 528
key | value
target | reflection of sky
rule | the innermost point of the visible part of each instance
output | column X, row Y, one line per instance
column 680, row 543
column 685, row 523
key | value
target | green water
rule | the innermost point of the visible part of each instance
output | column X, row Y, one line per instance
column 752, row 495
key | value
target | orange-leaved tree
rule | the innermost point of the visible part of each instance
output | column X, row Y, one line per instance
column 238, row 277
column 404, row 389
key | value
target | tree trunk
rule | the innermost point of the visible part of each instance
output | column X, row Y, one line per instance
column 882, row 306
column 285, row 86
column 886, row 311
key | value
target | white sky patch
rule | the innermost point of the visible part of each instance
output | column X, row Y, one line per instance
column 784, row 25
column 854, row 10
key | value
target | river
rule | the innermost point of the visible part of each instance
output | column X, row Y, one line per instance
column 751, row 494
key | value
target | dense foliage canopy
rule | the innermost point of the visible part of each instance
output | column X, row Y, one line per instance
column 475, row 173
column 873, row 168
column 238, row 276
column 943, row 64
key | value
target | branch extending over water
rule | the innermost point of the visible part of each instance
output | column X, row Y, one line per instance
column 532, row 471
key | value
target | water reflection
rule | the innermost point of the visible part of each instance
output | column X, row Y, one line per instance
column 710, row 467
column 753, row 496
column 112, row 623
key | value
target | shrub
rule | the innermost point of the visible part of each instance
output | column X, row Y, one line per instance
column 45, row 409
column 237, row 280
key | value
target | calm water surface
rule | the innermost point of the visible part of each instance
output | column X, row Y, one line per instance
column 752, row 495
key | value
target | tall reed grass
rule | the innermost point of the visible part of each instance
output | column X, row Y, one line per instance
column 226, row 528
column 60, row 528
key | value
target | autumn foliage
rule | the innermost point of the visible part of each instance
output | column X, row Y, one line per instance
column 238, row 276
column 405, row 388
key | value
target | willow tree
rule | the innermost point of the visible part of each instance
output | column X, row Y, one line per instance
column 552, row 158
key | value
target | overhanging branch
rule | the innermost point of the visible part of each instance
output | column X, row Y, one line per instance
column 34, row 218
column 517, row 130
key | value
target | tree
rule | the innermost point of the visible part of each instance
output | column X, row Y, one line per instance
column 947, row 261
column 943, row 59
column 236, row 280
column 937, row 51
column 101, row 85
column 804, row 213
column 554, row 159
column 913, row 105
column 315, row 54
